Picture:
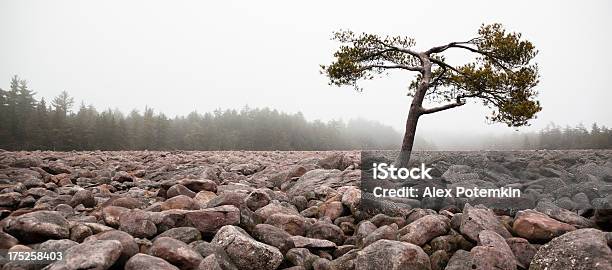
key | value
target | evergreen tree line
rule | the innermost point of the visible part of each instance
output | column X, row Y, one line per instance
column 30, row 124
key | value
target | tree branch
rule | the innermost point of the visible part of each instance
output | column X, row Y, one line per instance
column 411, row 68
column 439, row 49
column 442, row 108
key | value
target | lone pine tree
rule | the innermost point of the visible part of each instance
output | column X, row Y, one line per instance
column 501, row 75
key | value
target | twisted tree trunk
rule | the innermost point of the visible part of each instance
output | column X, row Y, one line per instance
column 416, row 110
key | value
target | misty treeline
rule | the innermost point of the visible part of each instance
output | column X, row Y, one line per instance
column 553, row 136
column 31, row 124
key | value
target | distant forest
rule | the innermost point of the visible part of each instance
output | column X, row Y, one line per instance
column 30, row 124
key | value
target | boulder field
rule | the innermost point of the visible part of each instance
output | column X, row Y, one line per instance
column 267, row 210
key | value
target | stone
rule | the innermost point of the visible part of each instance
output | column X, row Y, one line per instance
column 7, row 241
column 142, row 261
column 273, row 236
column 138, row 224
column 388, row 232
column 203, row 197
column 209, row 220
column 581, row 249
column 424, row 229
column 392, row 255
column 538, row 227
column 84, row 197
column 112, row 214
column 38, row 226
column 184, row 234
column 98, row 254
column 246, row 252
column 293, row 224
column 180, row 202
column 523, row 250
column 10, row 199
column 476, row 219
column 327, row 231
column 128, row 245
column 257, row 199
column 305, row 242
column 176, row 252
column 179, row 189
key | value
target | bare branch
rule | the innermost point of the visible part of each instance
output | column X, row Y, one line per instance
column 442, row 108
column 419, row 69
column 439, row 49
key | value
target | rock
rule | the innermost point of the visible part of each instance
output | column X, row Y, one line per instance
column 538, row 227
column 98, row 254
column 112, row 215
column 245, row 252
column 79, row 232
column 10, row 199
column 273, row 236
column 38, row 226
column 581, row 249
column 203, row 197
column 332, row 161
column 476, row 219
column 210, row 263
column 393, row 255
column 147, row 262
column 327, row 231
column 207, row 249
column 198, row 185
column 184, row 234
column 333, row 210
column 138, row 224
column 305, row 242
column 209, row 220
column 461, row 260
column 523, row 250
column 321, row 177
column 7, row 240
column 84, row 197
column 179, row 189
column 439, row 260
column 57, row 245
column 492, row 252
column 563, row 215
column 274, row 208
column 257, row 199
column 388, row 232
column 424, row 229
column 228, row 198
column 176, row 252
column 128, row 245
column 180, row 202
column 459, row 173
column 293, row 224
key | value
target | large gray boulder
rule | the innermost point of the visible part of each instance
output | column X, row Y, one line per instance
column 578, row 250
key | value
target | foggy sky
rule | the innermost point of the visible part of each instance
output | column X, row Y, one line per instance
column 181, row 56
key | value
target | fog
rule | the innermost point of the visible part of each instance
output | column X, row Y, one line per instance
column 184, row 56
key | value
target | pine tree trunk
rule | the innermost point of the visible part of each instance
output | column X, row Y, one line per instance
column 408, row 141
column 413, row 115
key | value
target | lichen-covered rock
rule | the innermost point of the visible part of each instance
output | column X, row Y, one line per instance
column 579, row 250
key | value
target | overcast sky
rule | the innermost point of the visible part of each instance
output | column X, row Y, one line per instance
column 181, row 56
